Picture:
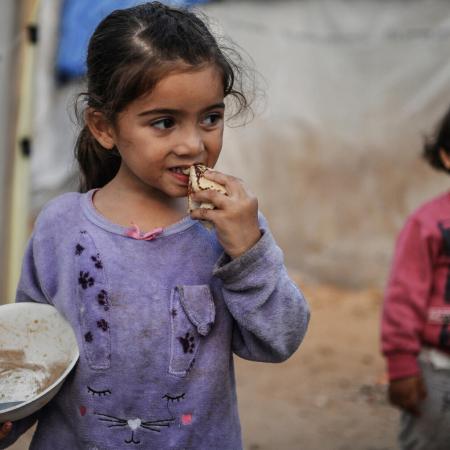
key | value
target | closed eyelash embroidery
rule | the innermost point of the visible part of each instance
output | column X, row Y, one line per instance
column 98, row 393
column 177, row 398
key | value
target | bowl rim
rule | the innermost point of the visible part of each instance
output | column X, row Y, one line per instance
column 68, row 369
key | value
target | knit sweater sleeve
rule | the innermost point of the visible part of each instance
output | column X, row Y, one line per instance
column 406, row 299
column 271, row 315
column 32, row 279
column 41, row 265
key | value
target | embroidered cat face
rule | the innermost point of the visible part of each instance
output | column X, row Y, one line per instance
column 134, row 428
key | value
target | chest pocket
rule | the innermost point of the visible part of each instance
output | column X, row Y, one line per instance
column 192, row 315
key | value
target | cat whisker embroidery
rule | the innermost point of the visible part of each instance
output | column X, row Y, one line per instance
column 135, row 424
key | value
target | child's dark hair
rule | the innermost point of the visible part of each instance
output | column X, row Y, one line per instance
column 438, row 142
column 129, row 52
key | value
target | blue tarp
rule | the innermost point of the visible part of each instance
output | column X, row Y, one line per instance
column 79, row 18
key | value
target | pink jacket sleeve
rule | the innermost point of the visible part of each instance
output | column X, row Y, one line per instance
column 406, row 300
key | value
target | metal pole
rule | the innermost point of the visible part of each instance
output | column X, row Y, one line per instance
column 9, row 43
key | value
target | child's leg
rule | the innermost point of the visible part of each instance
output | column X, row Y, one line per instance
column 430, row 431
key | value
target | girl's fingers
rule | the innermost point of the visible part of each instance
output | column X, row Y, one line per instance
column 204, row 214
column 5, row 430
column 232, row 184
column 218, row 199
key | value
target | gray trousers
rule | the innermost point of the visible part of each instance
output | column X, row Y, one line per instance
column 430, row 431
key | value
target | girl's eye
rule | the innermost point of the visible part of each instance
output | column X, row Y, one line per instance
column 163, row 124
column 212, row 119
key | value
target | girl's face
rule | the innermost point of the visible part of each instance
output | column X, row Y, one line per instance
column 179, row 123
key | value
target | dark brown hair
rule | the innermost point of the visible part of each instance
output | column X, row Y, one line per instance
column 440, row 140
column 129, row 52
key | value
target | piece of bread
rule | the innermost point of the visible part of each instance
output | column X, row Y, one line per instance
column 198, row 182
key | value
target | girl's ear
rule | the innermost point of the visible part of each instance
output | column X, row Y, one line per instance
column 100, row 128
column 445, row 158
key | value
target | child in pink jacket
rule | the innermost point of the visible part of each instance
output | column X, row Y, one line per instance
column 416, row 315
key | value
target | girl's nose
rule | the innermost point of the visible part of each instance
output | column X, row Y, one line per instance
column 191, row 144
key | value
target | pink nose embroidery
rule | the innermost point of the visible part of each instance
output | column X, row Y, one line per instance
column 186, row 419
column 135, row 233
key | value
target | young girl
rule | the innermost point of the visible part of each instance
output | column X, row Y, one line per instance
column 416, row 316
column 158, row 302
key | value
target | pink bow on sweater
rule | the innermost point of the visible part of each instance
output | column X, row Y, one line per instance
column 135, row 233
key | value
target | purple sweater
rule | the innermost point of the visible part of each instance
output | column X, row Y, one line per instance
column 157, row 323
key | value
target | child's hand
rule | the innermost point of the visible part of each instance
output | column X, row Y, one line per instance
column 408, row 393
column 5, row 429
column 235, row 216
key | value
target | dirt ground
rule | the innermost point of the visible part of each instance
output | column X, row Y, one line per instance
column 331, row 394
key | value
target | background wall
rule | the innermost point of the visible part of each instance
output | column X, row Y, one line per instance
column 352, row 89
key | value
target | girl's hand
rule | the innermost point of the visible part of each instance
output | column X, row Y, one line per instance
column 235, row 217
column 5, row 429
column 408, row 393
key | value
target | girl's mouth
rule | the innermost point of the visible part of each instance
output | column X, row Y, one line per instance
column 181, row 174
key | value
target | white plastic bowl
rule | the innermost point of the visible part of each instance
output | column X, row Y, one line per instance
column 38, row 349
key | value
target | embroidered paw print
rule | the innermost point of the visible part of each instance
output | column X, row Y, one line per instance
column 103, row 324
column 102, row 299
column 188, row 342
column 97, row 261
column 85, row 280
column 79, row 249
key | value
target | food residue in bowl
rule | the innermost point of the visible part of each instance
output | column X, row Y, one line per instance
column 21, row 380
